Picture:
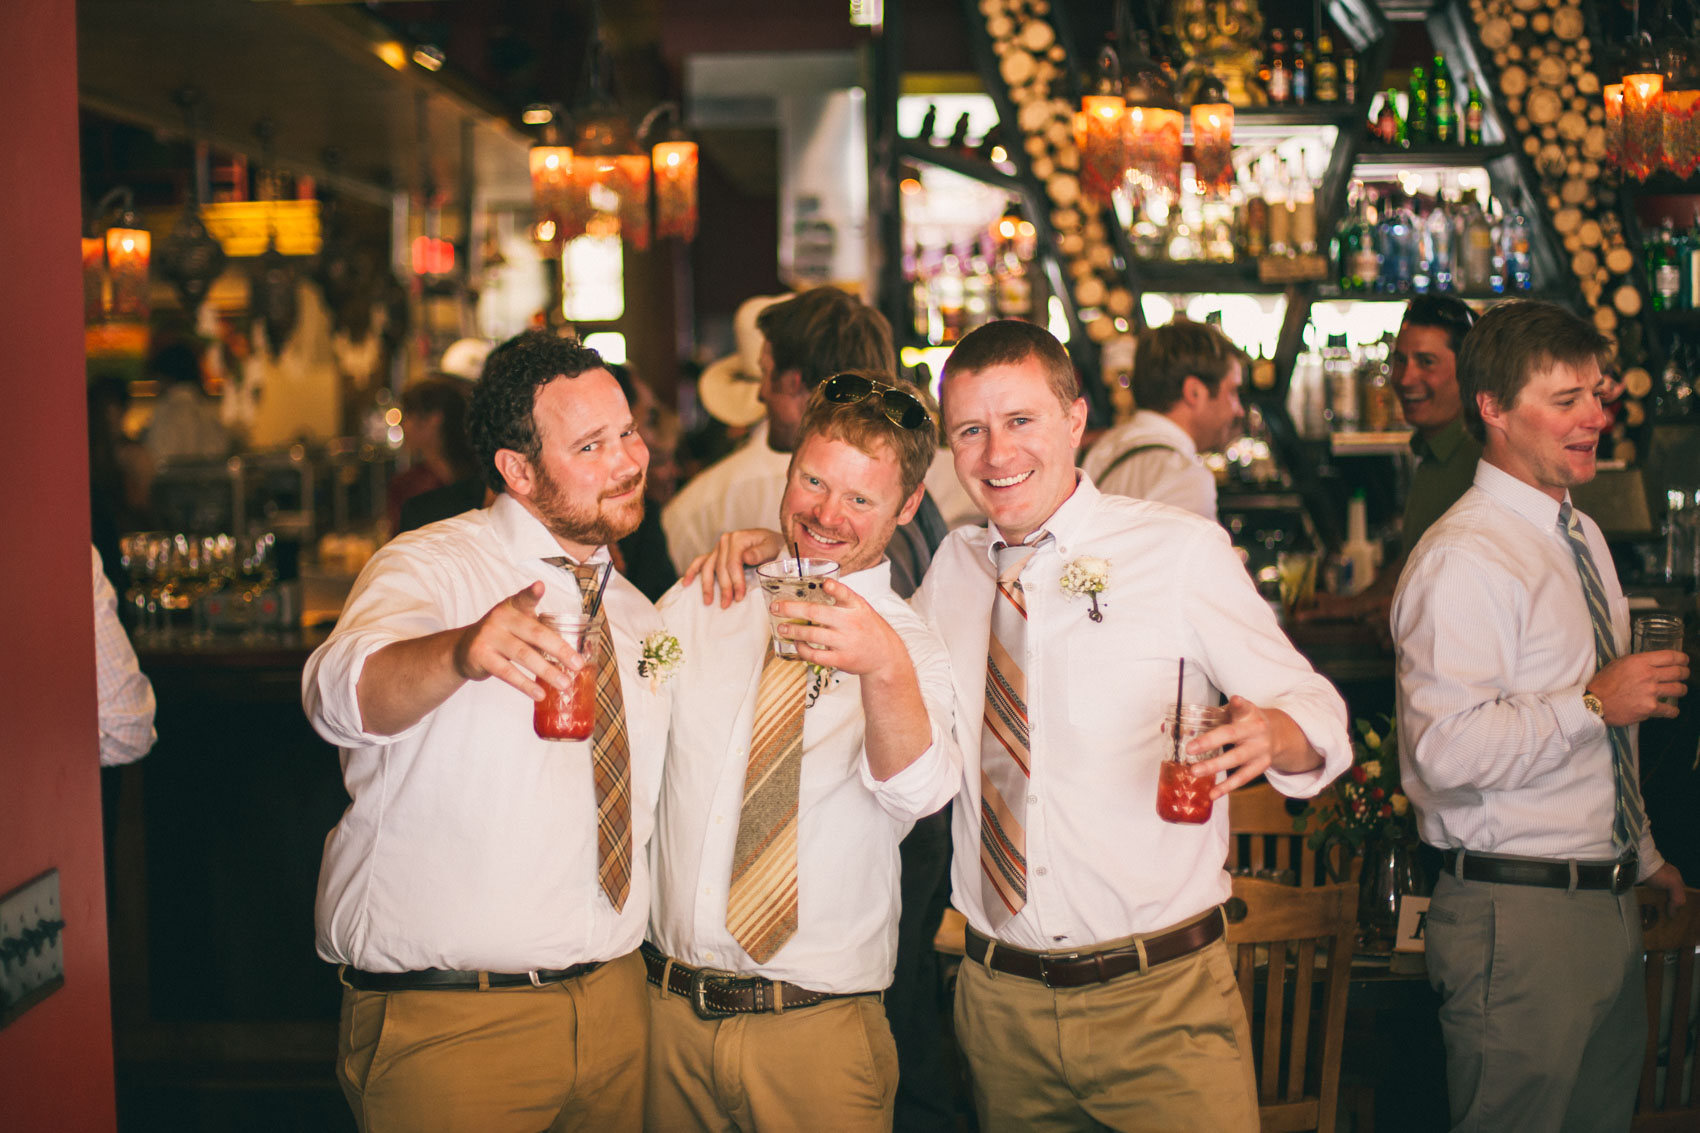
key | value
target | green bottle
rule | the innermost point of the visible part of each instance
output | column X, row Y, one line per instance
column 1473, row 118
column 1443, row 112
column 1417, row 114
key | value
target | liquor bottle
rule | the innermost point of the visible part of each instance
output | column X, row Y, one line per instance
column 928, row 326
column 1443, row 111
column 977, row 295
column 1349, row 242
column 1327, row 71
column 948, row 294
column 1477, row 258
column 1280, row 215
column 1300, row 86
column 1417, row 125
column 1341, row 378
column 1015, row 288
column 1368, row 266
column 1254, row 222
column 1437, row 247
column 1473, row 118
column 1519, row 267
column 1693, row 263
column 1349, row 75
column 1666, row 276
column 1280, row 79
column 1265, row 75
column 1398, row 244
column 1388, row 129
column 1302, row 194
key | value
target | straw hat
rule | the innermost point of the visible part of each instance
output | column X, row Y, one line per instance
column 729, row 388
column 465, row 358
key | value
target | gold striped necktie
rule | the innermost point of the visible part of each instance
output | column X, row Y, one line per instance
column 761, row 904
column 1005, row 748
column 1629, row 817
column 610, row 751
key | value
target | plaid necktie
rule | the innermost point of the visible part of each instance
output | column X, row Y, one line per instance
column 610, row 750
column 1630, row 819
column 1005, row 750
column 761, row 904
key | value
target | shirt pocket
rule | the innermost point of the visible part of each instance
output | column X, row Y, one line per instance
column 1119, row 682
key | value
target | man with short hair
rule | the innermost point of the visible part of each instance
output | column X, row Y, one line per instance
column 1186, row 383
column 1517, row 728
column 789, row 784
column 806, row 339
column 485, row 893
column 1097, row 990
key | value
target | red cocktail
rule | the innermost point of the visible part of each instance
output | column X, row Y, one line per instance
column 1181, row 795
column 569, row 713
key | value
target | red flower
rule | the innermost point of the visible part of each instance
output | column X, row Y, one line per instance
column 1358, row 775
column 1377, row 794
column 1387, row 810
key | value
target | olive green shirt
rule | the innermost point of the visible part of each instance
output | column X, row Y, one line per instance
column 1446, row 468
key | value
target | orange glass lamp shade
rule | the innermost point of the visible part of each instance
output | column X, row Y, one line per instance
column 551, row 177
column 675, row 164
column 1643, row 132
column 1154, row 147
column 94, row 279
column 127, row 254
column 1103, row 155
column 1613, row 93
column 1680, row 152
column 1213, row 146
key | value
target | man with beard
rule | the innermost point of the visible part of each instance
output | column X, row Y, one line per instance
column 789, row 783
column 485, row 892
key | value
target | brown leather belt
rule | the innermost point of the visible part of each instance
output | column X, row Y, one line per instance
column 1618, row 876
column 719, row 995
column 1082, row 969
column 437, row 979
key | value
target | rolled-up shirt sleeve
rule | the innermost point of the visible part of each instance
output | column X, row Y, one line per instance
column 125, row 695
column 935, row 777
column 392, row 601
column 1236, row 633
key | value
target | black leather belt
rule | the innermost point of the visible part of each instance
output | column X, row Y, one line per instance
column 1082, row 969
column 719, row 995
column 1618, row 876
column 437, row 979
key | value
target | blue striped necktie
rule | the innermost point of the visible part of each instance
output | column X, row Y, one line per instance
column 1631, row 818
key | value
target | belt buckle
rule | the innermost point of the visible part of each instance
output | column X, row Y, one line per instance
column 699, row 994
column 1623, row 873
column 1045, row 963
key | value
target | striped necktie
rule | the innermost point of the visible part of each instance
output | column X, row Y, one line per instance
column 1630, row 819
column 1005, row 750
column 610, row 750
column 761, row 903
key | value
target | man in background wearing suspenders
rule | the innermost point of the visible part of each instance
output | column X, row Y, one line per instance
column 1186, row 382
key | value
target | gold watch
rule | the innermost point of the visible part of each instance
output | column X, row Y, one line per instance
column 1592, row 704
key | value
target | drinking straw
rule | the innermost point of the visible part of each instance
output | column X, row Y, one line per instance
column 601, row 589
column 1180, row 683
column 796, row 558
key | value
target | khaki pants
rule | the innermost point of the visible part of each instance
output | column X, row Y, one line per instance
column 1542, row 1005
column 1164, row 1050
column 567, row 1056
column 828, row 1067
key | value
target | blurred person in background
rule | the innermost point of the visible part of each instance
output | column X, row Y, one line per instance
column 121, row 475
column 433, row 422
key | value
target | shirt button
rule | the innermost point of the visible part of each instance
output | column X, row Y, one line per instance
column 709, row 892
column 709, row 956
column 1034, row 799
column 1042, row 872
column 719, row 819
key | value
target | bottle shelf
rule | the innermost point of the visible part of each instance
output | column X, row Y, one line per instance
column 1389, row 443
column 1172, row 277
column 1419, row 158
column 1333, row 293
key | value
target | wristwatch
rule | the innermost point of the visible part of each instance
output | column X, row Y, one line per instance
column 1592, row 704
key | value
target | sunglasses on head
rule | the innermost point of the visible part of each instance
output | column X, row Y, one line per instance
column 901, row 408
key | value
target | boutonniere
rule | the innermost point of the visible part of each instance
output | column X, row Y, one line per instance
column 820, row 679
column 1088, row 577
column 661, row 658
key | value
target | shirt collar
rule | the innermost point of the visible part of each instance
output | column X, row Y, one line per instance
column 1526, row 500
column 1166, row 429
column 1443, row 444
column 1068, row 522
column 871, row 582
column 525, row 537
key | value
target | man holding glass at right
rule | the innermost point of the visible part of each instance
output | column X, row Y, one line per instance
column 1098, row 990
column 1517, row 720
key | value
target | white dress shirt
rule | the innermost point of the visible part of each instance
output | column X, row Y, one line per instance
column 1495, row 647
column 848, row 823
column 741, row 491
column 1172, row 474
column 470, row 843
column 1100, row 864
column 126, row 703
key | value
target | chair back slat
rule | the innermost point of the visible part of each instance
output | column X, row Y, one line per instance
column 1669, row 941
column 1302, row 928
column 1262, row 840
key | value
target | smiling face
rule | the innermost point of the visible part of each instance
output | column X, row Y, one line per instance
column 842, row 504
column 1013, row 441
column 587, row 486
column 1550, row 436
column 1425, row 377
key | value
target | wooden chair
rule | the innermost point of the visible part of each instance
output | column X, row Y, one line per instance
column 1670, row 943
column 1261, row 838
column 1309, row 933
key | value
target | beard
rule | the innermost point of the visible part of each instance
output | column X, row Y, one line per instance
column 598, row 525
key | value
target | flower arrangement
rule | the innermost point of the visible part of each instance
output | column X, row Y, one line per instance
column 1366, row 803
column 1088, row 576
column 662, row 656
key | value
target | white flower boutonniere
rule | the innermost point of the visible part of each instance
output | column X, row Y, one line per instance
column 821, row 678
column 661, row 658
column 1087, row 577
